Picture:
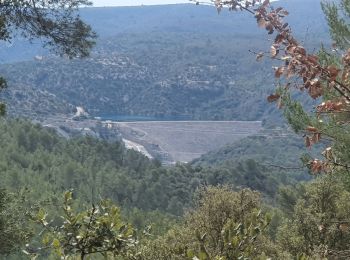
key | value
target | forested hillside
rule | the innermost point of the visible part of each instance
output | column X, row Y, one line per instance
column 267, row 147
column 48, row 164
column 41, row 165
column 161, row 61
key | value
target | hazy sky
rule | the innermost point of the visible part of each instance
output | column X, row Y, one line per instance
column 135, row 2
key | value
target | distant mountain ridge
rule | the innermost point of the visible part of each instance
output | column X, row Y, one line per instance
column 181, row 18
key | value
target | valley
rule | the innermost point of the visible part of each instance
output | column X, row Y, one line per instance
column 196, row 72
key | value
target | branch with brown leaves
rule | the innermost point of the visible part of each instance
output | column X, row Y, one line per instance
column 299, row 69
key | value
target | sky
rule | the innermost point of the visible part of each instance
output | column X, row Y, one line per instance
column 135, row 2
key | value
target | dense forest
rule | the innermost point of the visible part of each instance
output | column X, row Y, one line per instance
column 40, row 166
column 38, row 158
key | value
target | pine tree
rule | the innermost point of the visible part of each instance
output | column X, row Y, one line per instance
column 337, row 15
column 56, row 23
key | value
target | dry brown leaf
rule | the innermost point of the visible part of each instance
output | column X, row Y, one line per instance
column 273, row 97
column 261, row 22
column 333, row 72
column 279, row 71
column 311, row 129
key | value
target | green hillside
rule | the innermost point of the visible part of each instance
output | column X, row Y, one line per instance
column 268, row 147
column 48, row 164
column 161, row 61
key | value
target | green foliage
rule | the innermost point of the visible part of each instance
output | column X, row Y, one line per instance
column 14, row 231
column 38, row 158
column 223, row 225
column 272, row 146
column 98, row 230
column 337, row 15
column 295, row 114
column 238, row 240
column 263, row 162
column 48, row 164
column 56, row 23
column 319, row 221
column 150, row 195
column 150, row 223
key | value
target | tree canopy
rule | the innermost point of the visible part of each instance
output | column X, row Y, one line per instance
column 56, row 23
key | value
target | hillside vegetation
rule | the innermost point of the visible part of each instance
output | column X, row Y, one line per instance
column 161, row 61
column 48, row 164
column 39, row 165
